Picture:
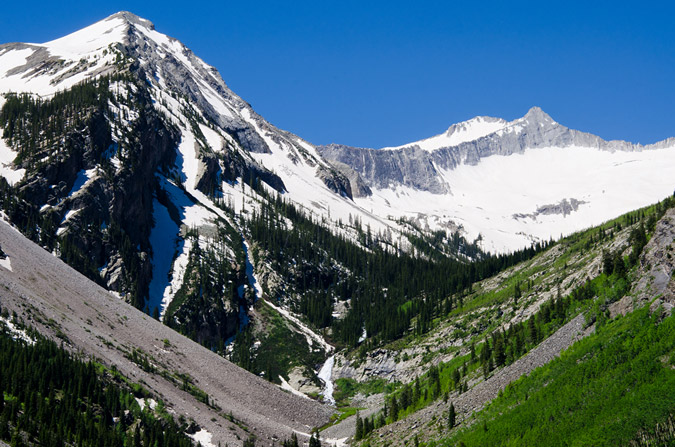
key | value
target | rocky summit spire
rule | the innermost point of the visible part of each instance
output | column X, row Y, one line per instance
column 536, row 115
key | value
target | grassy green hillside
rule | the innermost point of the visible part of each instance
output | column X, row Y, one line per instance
column 613, row 386
column 600, row 392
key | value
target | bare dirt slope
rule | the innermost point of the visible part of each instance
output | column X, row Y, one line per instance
column 58, row 301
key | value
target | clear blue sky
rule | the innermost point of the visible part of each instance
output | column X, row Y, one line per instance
column 385, row 73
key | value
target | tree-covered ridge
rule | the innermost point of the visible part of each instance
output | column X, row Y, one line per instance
column 107, row 127
column 37, row 128
column 388, row 289
column 206, row 307
column 49, row 398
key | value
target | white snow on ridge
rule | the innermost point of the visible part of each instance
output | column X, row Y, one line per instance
column 470, row 130
column 10, row 59
column 83, row 53
column 203, row 437
column 306, row 189
column 89, row 39
column 486, row 196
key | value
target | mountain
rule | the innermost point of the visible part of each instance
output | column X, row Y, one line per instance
column 130, row 159
column 319, row 269
column 510, row 183
column 158, row 146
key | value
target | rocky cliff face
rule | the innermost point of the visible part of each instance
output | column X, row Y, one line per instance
column 185, row 74
column 657, row 267
column 417, row 167
column 410, row 166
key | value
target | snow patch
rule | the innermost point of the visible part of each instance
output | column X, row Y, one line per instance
column 17, row 334
column 7, row 169
column 203, row 437
column 6, row 263
column 83, row 178
column 177, row 274
column 250, row 274
column 213, row 138
column 165, row 242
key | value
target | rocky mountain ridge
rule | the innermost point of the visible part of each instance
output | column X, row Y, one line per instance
column 417, row 166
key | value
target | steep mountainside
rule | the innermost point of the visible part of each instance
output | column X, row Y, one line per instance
column 126, row 156
column 129, row 158
column 512, row 183
column 597, row 300
column 191, row 381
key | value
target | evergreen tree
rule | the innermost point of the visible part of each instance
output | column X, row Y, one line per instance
column 359, row 427
column 607, row 263
column 314, row 441
column 451, row 415
column 499, row 355
column 393, row 409
column 619, row 266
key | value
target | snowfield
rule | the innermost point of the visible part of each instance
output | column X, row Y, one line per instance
column 498, row 198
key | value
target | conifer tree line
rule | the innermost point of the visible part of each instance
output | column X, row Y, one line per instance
column 49, row 398
column 387, row 289
column 209, row 294
column 54, row 134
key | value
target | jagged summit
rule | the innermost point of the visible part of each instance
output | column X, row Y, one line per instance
column 537, row 115
column 131, row 18
column 477, row 128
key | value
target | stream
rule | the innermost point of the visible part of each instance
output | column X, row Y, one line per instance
column 325, row 374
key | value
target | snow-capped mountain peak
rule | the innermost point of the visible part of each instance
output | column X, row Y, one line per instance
column 458, row 133
column 473, row 129
column 537, row 115
column 221, row 134
column 89, row 39
column 479, row 127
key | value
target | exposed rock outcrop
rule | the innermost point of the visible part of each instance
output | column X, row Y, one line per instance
column 657, row 266
column 417, row 168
